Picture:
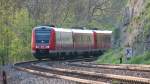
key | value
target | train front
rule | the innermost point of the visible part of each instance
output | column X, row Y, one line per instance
column 41, row 41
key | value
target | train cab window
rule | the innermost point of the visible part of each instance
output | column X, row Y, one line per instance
column 42, row 36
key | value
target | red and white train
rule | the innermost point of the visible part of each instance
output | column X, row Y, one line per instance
column 51, row 42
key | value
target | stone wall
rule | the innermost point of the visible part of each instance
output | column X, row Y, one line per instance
column 132, row 27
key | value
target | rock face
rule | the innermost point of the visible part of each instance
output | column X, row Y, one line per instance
column 132, row 27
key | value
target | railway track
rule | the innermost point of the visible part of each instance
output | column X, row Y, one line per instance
column 131, row 67
column 119, row 69
column 31, row 68
column 79, row 75
column 99, row 76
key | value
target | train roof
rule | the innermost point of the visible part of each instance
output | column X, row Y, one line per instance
column 37, row 27
column 62, row 29
column 75, row 30
column 103, row 31
column 82, row 31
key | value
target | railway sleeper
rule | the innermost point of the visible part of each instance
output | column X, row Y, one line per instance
column 47, row 74
column 137, row 80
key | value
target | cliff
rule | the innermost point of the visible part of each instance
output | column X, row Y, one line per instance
column 135, row 26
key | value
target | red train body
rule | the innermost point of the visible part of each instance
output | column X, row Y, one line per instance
column 50, row 42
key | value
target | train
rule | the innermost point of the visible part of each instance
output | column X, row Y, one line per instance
column 52, row 42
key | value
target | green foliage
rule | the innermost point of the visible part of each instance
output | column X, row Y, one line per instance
column 146, row 29
column 22, row 25
column 129, row 29
column 146, row 16
column 102, row 26
column 69, row 21
column 147, row 4
column 137, row 18
column 111, row 56
column 141, row 59
column 16, row 36
column 115, row 82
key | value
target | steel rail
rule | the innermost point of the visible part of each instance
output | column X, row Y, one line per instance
column 39, row 71
column 109, row 76
column 111, row 66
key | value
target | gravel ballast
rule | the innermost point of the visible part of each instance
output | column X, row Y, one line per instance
column 19, row 77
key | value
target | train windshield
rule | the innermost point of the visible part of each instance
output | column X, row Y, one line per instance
column 42, row 36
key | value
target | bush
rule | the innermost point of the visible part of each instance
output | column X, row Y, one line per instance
column 141, row 59
column 111, row 56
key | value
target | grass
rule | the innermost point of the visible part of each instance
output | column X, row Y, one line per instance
column 113, row 57
column 110, row 57
column 140, row 59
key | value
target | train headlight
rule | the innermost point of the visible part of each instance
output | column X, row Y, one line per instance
column 37, row 46
column 47, row 46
